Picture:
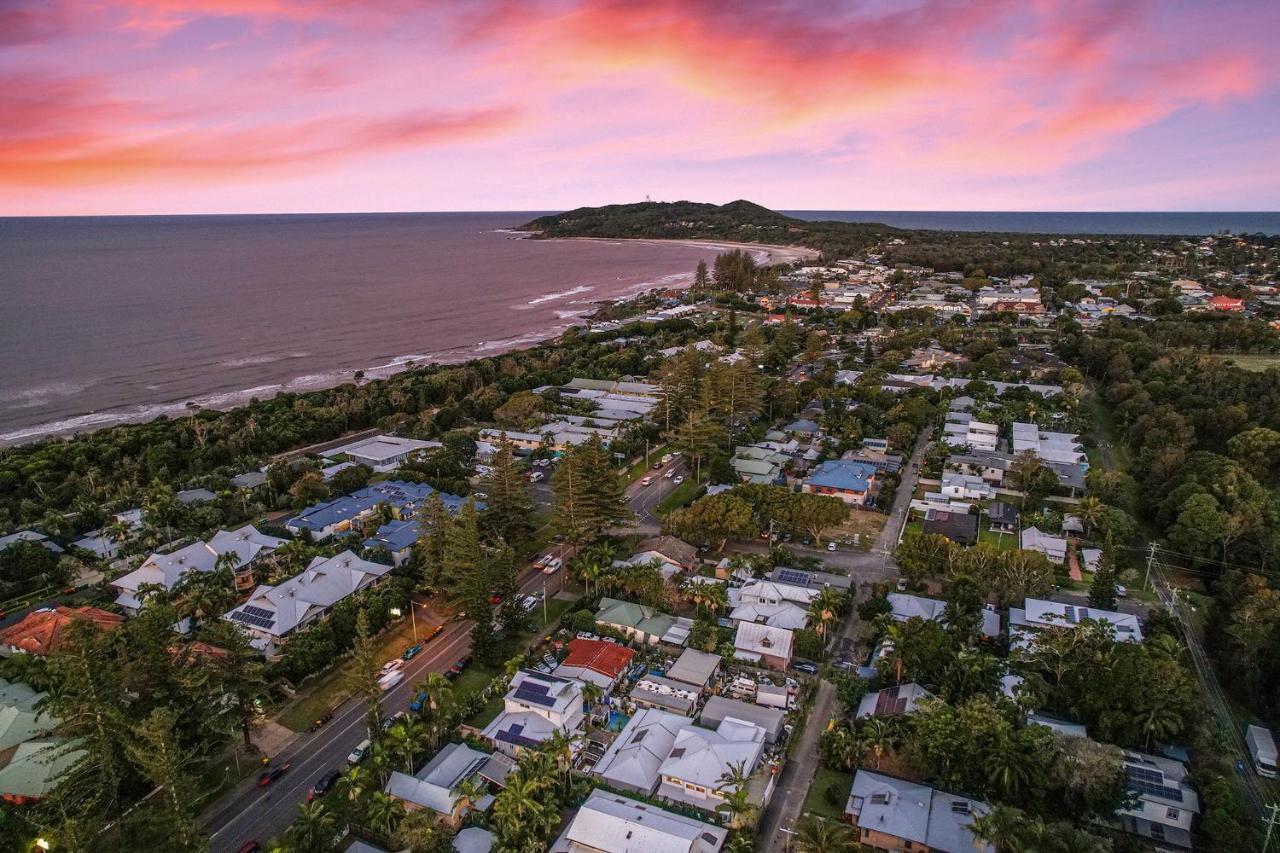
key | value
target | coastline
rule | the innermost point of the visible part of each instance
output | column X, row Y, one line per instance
column 772, row 253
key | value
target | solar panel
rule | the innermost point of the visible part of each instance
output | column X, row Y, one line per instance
column 793, row 576
column 535, row 694
column 257, row 611
column 250, row 619
column 1147, row 781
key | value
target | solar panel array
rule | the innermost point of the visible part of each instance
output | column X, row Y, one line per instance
column 535, row 693
column 1147, row 781
column 255, row 616
column 793, row 576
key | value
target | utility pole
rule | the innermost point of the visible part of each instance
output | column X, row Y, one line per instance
column 1272, row 818
column 1151, row 559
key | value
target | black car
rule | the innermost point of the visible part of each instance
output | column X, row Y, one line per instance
column 324, row 784
column 805, row 666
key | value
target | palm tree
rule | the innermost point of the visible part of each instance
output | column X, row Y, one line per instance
column 467, row 794
column 405, row 738
column 880, row 736
column 1007, row 767
column 1002, row 828
column 518, row 807
column 384, row 812
column 816, row 835
column 353, row 785
column 1090, row 511
column 824, row 607
column 313, row 828
column 439, row 692
column 732, row 788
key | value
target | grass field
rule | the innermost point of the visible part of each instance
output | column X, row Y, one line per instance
column 816, row 802
column 680, row 496
column 1255, row 363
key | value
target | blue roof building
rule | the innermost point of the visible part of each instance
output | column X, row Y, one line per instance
column 847, row 479
column 337, row 516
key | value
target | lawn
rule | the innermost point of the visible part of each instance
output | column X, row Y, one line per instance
column 816, row 802
column 1002, row 541
column 1253, row 363
column 862, row 522
column 681, row 495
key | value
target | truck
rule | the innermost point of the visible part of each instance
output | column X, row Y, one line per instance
column 1262, row 749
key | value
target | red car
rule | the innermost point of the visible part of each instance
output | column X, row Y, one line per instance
column 458, row 668
column 272, row 774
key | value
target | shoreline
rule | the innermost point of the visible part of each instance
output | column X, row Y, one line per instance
column 228, row 399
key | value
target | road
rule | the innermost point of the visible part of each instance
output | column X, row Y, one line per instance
column 643, row 499
column 248, row 812
column 784, row 809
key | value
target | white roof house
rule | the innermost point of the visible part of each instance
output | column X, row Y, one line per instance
column 698, row 761
column 900, row 699
column 1053, row 547
column 163, row 570
column 914, row 814
column 763, row 643
column 1036, row 614
column 780, row 605
column 907, row 606
column 246, row 543
column 1166, row 802
column 611, row 823
column 273, row 612
column 434, row 786
column 383, row 453
column 634, row 760
column 1047, row 446
column 966, row 487
column 536, row 707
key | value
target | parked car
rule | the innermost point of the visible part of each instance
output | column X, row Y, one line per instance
column 670, row 473
column 362, row 749
column 831, row 546
column 666, row 457
column 529, row 602
column 657, row 465
column 435, row 632
column 480, row 496
column 459, row 667
column 271, row 774
column 678, row 480
column 1122, row 591
column 805, row 667
column 393, row 719
column 323, row 785
column 550, row 660
column 419, row 702
column 411, row 652
column 536, row 477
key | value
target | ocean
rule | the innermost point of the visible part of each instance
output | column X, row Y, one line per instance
column 106, row 320
column 1058, row 223
column 114, row 319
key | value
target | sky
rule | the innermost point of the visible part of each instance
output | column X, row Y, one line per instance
column 224, row 106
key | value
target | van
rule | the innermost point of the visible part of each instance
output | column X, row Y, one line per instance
column 357, row 755
column 1262, row 749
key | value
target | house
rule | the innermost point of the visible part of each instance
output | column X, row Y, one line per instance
column 398, row 537
column 933, row 357
column 761, row 464
column 771, row 603
column 696, row 668
column 167, row 570
column 42, row 631
column 636, row 621
column 893, row 814
column 675, row 555
column 959, row 527
column 536, row 707
column 720, row 708
column 906, row 607
column 989, row 465
column 100, row 545
column 1225, row 303
column 1002, row 517
column 962, row 430
column 634, row 760
column 249, row 480
column 163, row 570
column 966, row 487
column 612, row 823
column 471, row 839
column 901, row 699
column 1053, row 547
column 1059, row 727
column 272, row 613
column 812, row 580
column 338, row 516
column 596, row 662
column 665, row 694
column 435, row 786
column 846, row 479
column 382, row 453
column 30, row 536
column 693, row 772
column 1037, row 614
column 763, row 644
column 191, row 497
column 802, row 427
column 1061, row 447
column 1166, row 803
column 1092, row 558
column 31, row 758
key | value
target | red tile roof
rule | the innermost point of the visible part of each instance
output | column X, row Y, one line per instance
column 608, row 659
column 40, row 633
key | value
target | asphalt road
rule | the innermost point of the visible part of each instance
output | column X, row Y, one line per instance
column 643, row 500
column 261, row 813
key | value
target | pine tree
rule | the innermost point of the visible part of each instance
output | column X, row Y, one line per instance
column 154, row 750
column 462, row 560
column 1102, row 591
column 605, row 500
column 509, row 505
column 731, row 330
column 701, row 280
column 570, row 503
column 364, row 674
column 428, row 551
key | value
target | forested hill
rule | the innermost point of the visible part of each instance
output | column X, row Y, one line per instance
column 739, row 220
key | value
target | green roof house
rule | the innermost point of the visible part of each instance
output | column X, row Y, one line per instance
column 637, row 621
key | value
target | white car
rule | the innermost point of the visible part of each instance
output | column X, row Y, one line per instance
column 666, row 457
column 671, row 473
column 831, row 546
column 357, row 755
column 391, row 666
column 552, row 567
column 391, row 679
column 644, row 481
column 529, row 602
column 1122, row 591
column 535, row 477
column 678, row 480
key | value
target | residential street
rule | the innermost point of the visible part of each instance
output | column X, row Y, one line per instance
column 643, row 500
column 249, row 812
column 780, row 816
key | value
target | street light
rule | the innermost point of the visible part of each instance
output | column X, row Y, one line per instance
column 397, row 612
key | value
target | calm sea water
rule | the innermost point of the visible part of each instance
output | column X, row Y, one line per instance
column 104, row 320
column 1059, row 223
column 113, row 319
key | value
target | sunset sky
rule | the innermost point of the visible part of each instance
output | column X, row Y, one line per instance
column 181, row 106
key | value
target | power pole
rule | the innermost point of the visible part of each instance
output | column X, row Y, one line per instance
column 1151, row 559
column 1272, row 818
